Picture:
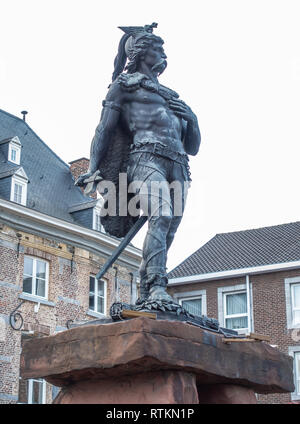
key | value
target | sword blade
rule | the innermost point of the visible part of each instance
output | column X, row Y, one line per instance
column 126, row 240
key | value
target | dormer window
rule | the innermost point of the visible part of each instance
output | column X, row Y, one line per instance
column 97, row 220
column 97, row 216
column 14, row 151
column 18, row 191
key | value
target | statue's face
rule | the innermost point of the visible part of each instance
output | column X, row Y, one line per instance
column 155, row 57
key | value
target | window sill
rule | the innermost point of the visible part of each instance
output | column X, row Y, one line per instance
column 35, row 299
column 96, row 314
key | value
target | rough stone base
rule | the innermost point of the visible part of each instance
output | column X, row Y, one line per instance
column 166, row 387
column 225, row 393
column 156, row 362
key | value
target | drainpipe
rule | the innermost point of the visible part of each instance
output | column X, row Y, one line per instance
column 131, row 286
column 248, row 301
column 117, row 294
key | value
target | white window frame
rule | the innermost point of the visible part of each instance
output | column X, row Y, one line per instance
column 190, row 295
column 96, row 214
column 20, row 181
column 14, row 146
column 230, row 316
column 289, row 299
column 221, row 305
column 35, row 259
column 95, row 311
column 293, row 304
column 30, row 390
column 294, row 351
column 297, row 373
column 182, row 299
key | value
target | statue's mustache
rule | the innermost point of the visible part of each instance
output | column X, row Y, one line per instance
column 160, row 66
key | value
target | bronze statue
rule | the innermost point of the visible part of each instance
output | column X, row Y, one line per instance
column 146, row 131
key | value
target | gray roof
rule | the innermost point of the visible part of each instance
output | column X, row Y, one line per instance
column 51, row 188
column 243, row 249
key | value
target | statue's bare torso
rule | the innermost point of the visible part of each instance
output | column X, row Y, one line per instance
column 150, row 120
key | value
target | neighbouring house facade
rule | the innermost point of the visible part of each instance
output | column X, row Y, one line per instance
column 250, row 281
column 51, row 247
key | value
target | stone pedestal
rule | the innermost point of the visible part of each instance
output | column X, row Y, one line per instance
column 145, row 361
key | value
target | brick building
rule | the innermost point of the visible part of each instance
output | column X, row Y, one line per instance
column 51, row 247
column 250, row 281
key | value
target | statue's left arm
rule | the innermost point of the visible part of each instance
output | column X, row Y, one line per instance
column 191, row 132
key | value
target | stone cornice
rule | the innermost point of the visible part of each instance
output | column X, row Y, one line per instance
column 34, row 222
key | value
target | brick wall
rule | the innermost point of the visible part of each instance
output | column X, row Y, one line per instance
column 79, row 167
column 269, row 311
column 69, row 272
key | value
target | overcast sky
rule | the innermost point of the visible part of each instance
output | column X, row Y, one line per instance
column 235, row 62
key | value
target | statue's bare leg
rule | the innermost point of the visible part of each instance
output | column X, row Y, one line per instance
column 157, row 201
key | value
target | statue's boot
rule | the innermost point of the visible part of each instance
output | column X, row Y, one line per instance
column 158, row 290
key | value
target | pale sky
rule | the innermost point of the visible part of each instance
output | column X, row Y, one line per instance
column 236, row 63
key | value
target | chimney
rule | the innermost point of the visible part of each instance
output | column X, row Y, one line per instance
column 79, row 167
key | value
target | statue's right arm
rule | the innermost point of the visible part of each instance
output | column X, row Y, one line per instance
column 109, row 119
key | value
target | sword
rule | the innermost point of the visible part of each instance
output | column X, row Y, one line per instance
column 126, row 240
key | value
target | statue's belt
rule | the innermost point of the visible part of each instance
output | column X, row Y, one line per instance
column 160, row 150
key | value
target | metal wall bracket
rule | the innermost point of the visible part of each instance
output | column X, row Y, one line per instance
column 16, row 317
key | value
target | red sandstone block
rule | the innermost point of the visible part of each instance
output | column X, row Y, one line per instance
column 164, row 387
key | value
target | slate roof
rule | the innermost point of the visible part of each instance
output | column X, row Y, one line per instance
column 243, row 249
column 7, row 167
column 51, row 188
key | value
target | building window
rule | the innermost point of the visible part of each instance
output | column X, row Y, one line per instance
column 292, row 298
column 193, row 301
column 297, row 373
column 18, row 191
column 14, row 153
column 32, row 391
column 193, row 305
column 295, row 297
column 235, row 311
column 35, row 278
column 234, row 307
column 97, row 295
column 294, row 352
column 97, row 220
